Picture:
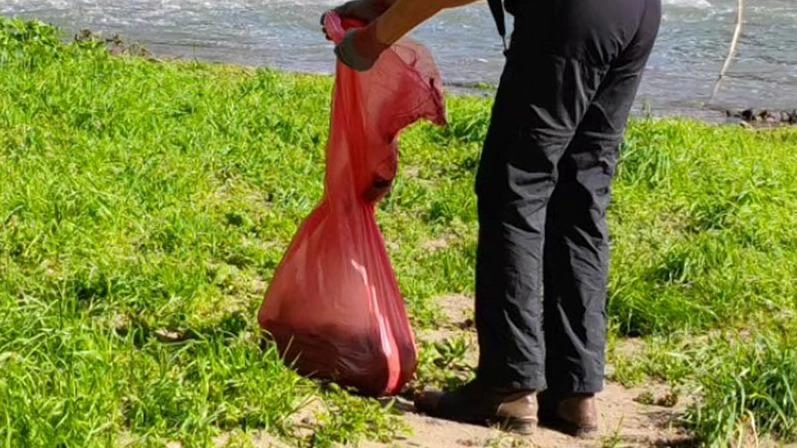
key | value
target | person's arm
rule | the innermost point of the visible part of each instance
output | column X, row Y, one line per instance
column 404, row 15
column 361, row 48
column 364, row 10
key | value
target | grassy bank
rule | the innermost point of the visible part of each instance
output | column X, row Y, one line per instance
column 144, row 205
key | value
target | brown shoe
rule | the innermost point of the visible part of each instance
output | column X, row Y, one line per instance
column 575, row 415
column 514, row 411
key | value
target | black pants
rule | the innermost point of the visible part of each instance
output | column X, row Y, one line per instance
column 544, row 184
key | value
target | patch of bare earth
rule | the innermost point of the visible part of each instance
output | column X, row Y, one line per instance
column 259, row 440
column 625, row 420
column 457, row 311
column 438, row 244
column 624, row 423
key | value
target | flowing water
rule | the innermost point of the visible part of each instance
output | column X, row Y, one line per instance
column 692, row 44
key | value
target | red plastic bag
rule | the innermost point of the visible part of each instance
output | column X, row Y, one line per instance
column 333, row 307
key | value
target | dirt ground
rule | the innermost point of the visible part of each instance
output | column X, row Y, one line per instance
column 625, row 422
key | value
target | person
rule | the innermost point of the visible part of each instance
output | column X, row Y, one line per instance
column 543, row 186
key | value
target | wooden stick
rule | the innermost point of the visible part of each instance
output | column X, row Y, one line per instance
column 732, row 51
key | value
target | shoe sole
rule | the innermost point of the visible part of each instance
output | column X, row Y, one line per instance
column 559, row 424
column 515, row 425
column 523, row 427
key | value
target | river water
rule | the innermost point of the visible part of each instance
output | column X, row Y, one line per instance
column 691, row 48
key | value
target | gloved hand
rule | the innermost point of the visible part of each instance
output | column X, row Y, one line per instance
column 365, row 11
column 360, row 48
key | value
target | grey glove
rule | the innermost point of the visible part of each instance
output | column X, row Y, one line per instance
column 360, row 49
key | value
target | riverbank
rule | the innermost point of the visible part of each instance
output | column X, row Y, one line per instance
column 144, row 206
column 284, row 34
column 747, row 116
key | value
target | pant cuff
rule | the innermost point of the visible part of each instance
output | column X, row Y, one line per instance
column 512, row 381
column 587, row 387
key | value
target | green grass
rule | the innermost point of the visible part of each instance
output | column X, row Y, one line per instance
column 144, row 205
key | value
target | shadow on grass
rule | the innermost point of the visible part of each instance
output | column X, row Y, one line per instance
column 231, row 325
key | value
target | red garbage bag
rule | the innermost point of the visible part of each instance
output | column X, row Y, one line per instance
column 333, row 307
